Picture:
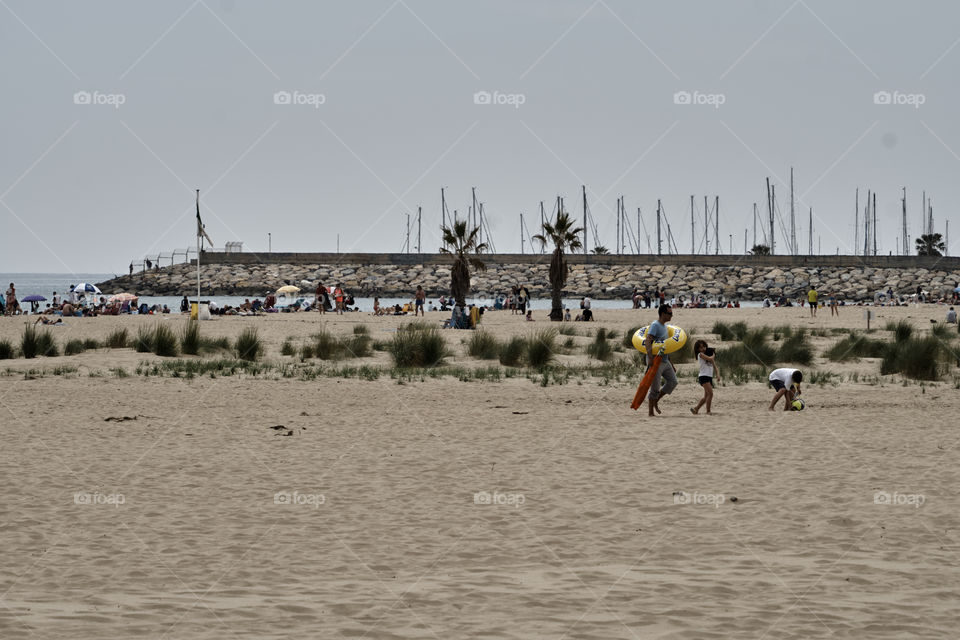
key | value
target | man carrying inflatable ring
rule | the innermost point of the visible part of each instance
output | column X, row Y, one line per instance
column 657, row 340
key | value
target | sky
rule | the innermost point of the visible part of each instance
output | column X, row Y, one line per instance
column 312, row 125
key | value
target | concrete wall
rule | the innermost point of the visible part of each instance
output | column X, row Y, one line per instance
column 882, row 262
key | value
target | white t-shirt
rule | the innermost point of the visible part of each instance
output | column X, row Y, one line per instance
column 783, row 375
column 706, row 368
column 586, row 303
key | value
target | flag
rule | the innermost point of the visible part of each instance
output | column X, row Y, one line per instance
column 201, row 232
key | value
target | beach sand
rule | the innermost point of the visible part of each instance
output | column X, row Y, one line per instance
column 584, row 536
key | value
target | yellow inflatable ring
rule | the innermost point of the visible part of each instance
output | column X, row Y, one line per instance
column 676, row 338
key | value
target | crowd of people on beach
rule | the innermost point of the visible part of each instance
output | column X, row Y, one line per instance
column 75, row 304
column 335, row 299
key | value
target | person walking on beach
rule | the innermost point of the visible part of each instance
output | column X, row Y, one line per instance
column 184, row 305
column 418, row 299
column 708, row 368
column 834, row 308
column 658, row 333
column 812, row 299
column 319, row 297
column 11, row 301
column 338, row 297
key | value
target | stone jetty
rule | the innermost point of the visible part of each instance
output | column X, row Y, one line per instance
column 602, row 277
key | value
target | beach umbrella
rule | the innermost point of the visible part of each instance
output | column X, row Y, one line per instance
column 123, row 297
column 33, row 298
column 86, row 287
column 288, row 289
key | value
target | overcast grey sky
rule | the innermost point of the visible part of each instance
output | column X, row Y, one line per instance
column 188, row 98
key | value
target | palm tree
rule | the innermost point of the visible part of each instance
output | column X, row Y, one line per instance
column 563, row 236
column 601, row 250
column 760, row 250
column 463, row 246
column 930, row 244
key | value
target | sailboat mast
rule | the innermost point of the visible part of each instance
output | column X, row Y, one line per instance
column 903, row 202
column 693, row 230
column 659, row 240
column 770, row 215
column 793, row 220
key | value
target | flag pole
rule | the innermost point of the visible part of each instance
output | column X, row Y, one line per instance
column 198, row 255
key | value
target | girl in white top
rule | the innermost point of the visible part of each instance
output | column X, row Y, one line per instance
column 708, row 368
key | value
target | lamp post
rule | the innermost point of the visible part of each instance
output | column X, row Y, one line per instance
column 269, row 243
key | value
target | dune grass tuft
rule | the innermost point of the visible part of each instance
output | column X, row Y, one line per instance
column 190, row 338
column 600, row 348
column 248, row 345
column 484, row 345
column 165, row 342
column 418, row 345
column 118, row 339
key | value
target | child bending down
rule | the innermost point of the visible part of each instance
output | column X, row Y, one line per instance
column 708, row 368
column 786, row 383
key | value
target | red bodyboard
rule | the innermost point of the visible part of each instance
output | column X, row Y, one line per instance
column 646, row 383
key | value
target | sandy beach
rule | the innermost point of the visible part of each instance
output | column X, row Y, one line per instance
column 163, row 507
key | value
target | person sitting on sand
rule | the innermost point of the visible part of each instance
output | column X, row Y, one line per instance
column 786, row 383
column 708, row 369
column 951, row 316
column 529, row 315
column 566, row 315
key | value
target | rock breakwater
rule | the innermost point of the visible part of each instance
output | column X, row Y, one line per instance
column 601, row 281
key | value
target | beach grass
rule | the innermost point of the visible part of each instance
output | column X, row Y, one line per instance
column 627, row 340
column 359, row 345
column 213, row 345
column 117, row 339
column 143, row 343
column 902, row 330
column 511, row 352
column 540, row 348
column 418, row 345
column 37, row 342
column 853, row 347
column 164, row 342
column 73, row 347
column 729, row 331
column 7, row 350
column 600, row 348
column 361, row 330
column 920, row 358
column 795, row 349
column 248, row 345
column 484, row 345
column 287, row 348
column 190, row 338
column 325, row 345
